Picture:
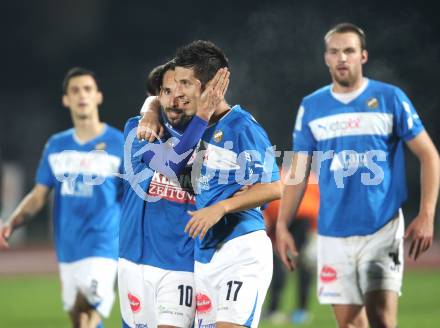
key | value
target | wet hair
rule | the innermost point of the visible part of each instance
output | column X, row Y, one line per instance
column 347, row 28
column 155, row 78
column 78, row 71
column 204, row 57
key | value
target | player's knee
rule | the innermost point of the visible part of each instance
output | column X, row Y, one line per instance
column 227, row 325
column 382, row 320
column 352, row 325
column 357, row 322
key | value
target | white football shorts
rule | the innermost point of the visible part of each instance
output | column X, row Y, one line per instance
column 151, row 296
column 352, row 266
column 233, row 285
column 94, row 278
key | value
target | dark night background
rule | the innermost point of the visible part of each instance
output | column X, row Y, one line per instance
column 275, row 50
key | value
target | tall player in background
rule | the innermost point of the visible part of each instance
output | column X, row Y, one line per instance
column 156, row 283
column 80, row 164
column 359, row 126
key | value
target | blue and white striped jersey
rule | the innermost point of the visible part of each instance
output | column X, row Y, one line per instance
column 233, row 152
column 87, row 193
column 154, row 208
column 359, row 146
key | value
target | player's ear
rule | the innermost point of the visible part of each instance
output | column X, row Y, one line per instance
column 325, row 58
column 364, row 58
column 65, row 100
column 100, row 98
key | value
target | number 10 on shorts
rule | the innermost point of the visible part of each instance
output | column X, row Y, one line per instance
column 186, row 294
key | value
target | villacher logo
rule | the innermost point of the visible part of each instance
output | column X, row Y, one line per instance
column 203, row 303
column 328, row 274
column 135, row 303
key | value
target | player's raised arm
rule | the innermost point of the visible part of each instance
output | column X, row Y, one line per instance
column 421, row 229
column 28, row 207
column 213, row 94
column 293, row 191
column 255, row 196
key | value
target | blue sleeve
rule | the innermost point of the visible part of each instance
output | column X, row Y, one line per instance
column 44, row 174
column 303, row 140
column 174, row 154
column 132, row 160
column 407, row 121
column 256, row 156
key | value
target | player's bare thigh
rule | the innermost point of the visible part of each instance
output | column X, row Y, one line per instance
column 381, row 306
column 227, row 325
column 350, row 315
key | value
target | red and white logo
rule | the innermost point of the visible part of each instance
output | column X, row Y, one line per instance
column 135, row 303
column 203, row 303
column 328, row 274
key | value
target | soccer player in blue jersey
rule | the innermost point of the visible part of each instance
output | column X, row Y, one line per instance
column 156, row 283
column 355, row 129
column 233, row 256
column 80, row 165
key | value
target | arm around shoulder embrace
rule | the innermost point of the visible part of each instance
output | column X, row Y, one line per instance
column 28, row 207
column 149, row 127
column 421, row 229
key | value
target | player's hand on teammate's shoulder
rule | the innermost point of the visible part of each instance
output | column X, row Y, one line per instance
column 421, row 232
column 285, row 246
column 149, row 127
column 213, row 94
column 202, row 220
column 5, row 233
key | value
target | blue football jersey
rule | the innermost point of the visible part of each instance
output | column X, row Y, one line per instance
column 154, row 211
column 358, row 147
column 87, row 193
column 233, row 152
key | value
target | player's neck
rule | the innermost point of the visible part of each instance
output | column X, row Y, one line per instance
column 222, row 109
column 338, row 88
column 88, row 129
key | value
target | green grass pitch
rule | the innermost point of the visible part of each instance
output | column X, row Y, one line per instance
column 34, row 301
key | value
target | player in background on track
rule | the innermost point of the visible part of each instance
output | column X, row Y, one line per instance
column 80, row 165
column 355, row 129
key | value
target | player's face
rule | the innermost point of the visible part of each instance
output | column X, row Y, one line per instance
column 170, row 104
column 188, row 89
column 82, row 96
column 344, row 58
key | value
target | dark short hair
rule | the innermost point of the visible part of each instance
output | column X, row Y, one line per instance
column 204, row 57
column 78, row 71
column 155, row 78
column 347, row 28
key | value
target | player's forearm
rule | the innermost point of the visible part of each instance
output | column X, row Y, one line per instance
column 429, row 182
column 26, row 210
column 257, row 195
column 151, row 105
column 290, row 201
